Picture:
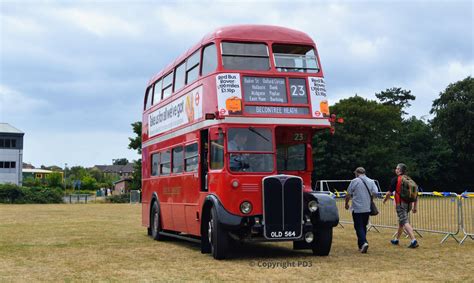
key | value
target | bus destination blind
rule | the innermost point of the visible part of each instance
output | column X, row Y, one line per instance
column 265, row 90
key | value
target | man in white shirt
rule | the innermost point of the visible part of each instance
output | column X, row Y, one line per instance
column 361, row 190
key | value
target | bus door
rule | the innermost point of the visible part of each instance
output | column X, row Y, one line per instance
column 176, row 189
column 294, row 151
column 191, row 185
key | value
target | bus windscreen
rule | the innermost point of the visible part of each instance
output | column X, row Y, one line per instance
column 295, row 58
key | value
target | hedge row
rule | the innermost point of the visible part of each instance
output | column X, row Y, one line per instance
column 123, row 198
column 10, row 193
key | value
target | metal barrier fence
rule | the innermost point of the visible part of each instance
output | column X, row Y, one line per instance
column 443, row 213
column 78, row 198
column 135, row 196
column 467, row 216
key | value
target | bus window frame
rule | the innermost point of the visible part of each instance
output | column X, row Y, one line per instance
column 167, row 150
column 192, row 143
column 188, row 69
column 182, row 64
column 148, row 97
column 168, row 86
column 179, row 165
column 217, row 52
column 158, row 164
column 227, row 153
column 160, row 83
column 222, row 55
column 305, row 70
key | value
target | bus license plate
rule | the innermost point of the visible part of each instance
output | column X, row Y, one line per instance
column 282, row 234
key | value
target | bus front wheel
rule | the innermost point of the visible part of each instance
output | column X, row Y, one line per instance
column 155, row 223
column 217, row 236
column 321, row 245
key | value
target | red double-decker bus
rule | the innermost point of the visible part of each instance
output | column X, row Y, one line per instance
column 226, row 142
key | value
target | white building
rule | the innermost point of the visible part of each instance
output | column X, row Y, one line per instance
column 11, row 154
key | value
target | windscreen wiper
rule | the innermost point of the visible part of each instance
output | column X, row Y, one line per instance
column 252, row 129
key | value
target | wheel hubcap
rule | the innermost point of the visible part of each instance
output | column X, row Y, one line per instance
column 209, row 231
column 155, row 222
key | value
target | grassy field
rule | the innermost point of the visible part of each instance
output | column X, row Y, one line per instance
column 106, row 242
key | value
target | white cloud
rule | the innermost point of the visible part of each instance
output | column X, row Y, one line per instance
column 13, row 103
column 98, row 23
column 434, row 79
column 21, row 25
column 367, row 49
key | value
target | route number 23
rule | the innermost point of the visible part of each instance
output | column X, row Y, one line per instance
column 298, row 137
column 297, row 90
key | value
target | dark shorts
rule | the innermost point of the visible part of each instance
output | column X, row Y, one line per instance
column 402, row 212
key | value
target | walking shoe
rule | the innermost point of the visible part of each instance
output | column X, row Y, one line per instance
column 364, row 248
column 413, row 244
column 394, row 242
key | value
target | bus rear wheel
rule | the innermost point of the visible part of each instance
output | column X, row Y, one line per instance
column 321, row 245
column 155, row 223
column 217, row 236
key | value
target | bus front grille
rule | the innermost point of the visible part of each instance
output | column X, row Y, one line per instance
column 282, row 207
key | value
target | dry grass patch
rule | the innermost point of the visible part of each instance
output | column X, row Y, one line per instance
column 107, row 242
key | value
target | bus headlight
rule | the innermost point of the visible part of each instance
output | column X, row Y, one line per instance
column 312, row 206
column 245, row 207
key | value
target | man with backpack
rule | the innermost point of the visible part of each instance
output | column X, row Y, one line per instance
column 406, row 197
column 361, row 190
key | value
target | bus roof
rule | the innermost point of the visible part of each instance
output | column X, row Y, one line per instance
column 259, row 33
column 242, row 32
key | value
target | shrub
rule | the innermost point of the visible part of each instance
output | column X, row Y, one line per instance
column 10, row 193
column 89, row 183
column 54, row 179
column 31, row 182
column 123, row 198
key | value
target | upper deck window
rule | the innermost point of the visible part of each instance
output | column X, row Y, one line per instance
column 179, row 77
column 192, row 67
column 167, row 85
column 148, row 97
column 295, row 58
column 245, row 56
column 157, row 93
column 209, row 59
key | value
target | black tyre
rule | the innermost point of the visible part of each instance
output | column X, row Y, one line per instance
column 155, row 223
column 218, row 237
column 205, row 240
column 322, row 241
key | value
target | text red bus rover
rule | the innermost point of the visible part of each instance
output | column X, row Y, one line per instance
column 226, row 142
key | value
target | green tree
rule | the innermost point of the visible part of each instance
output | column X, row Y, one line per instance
column 453, row 121
column 367, row 138
column 136, row 144
column 88, row 183
column 397, row 97
column 120, row 161
column 77, row 173
column 54, row 179
column 136, row 141
column 426, row 155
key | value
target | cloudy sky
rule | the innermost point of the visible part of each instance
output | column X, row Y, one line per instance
column 73, row 73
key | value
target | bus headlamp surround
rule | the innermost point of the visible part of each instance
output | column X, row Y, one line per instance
column 246, row 207
column 235, row 183
column 312, row 206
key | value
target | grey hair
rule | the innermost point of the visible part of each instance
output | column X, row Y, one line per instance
column 402, row 167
